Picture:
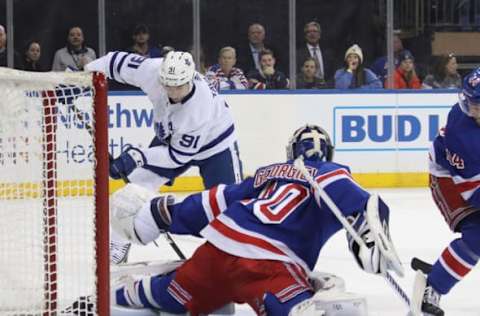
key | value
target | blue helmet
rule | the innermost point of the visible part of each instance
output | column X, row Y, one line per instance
column 470, row 90
column 312, row 142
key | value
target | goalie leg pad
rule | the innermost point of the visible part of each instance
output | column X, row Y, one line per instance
column 332, row 303
column 147, row 292
column 274, row 307
column 116, row 310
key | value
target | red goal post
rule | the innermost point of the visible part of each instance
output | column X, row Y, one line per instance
column 54, row 224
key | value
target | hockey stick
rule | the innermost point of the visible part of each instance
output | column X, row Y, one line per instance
column 418, row 264
column 322, row 194
column 88, row 127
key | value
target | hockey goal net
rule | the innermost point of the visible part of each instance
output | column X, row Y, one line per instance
column 53, row 194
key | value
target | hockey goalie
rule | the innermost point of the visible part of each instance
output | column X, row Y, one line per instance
column 263, row 237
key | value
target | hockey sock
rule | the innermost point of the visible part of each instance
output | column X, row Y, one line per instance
column 454, row 263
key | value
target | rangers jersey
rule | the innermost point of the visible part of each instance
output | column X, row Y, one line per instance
column 198, row 127
column 273, row 215
column 455, row 153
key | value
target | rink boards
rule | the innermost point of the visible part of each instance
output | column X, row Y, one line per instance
column 383, row 135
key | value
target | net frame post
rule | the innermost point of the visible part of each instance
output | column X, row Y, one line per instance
column 50, row 202
column 102, row 194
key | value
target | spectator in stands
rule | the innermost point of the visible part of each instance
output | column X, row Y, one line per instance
column 268, row 77
column 445, row 74
column 307, row 79
column 248, row 57
column 405, row 76
column 31, row 57
column 75, row 54
column 224, row 76
column 141, row 46
column 3, row 47
column 3, row 50
column 353, row 75
column 311, row 49
column 379, row 66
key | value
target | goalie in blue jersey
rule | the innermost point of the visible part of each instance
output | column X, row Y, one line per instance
column 263, row 238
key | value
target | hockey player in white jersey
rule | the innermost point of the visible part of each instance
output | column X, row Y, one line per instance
column 193, row 124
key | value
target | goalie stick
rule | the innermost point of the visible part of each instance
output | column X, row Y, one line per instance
column 88, row 127
column 298, row 163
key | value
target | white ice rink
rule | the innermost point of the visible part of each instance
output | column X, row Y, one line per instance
column 417, row 229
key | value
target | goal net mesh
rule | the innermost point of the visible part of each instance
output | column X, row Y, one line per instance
column 48, row 208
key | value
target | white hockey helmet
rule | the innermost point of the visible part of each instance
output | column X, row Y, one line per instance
column 177, row 69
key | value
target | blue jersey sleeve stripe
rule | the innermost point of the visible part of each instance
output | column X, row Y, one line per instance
column 219, row 139
column 181, row 152
column 120, row 64
column 172, row 156
column 112, row 64
column 212, row 144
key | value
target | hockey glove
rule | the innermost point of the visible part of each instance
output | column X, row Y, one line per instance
column 369, row 259
column 130, row 159
column 379, row 255
column 138, row 215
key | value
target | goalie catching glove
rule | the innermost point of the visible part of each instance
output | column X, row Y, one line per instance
column 139, row 215
column 378, row 255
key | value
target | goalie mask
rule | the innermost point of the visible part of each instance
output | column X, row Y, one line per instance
column 470, row 97
column 177, row 69
column 312, row 143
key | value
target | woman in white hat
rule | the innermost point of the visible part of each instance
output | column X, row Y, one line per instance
column 354, row 75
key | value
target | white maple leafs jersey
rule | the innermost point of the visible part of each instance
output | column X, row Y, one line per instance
column 195, row 129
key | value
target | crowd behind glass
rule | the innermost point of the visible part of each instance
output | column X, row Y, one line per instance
column 256, row 66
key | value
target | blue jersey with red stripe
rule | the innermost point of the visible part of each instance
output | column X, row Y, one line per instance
column 274, row 214
column 455, row 153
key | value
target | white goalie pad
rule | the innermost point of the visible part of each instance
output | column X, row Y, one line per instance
column 144, row 268
column 330, row 298
column 382, row 240
column 332, row 303
column 124, row 205
column 124, row 275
